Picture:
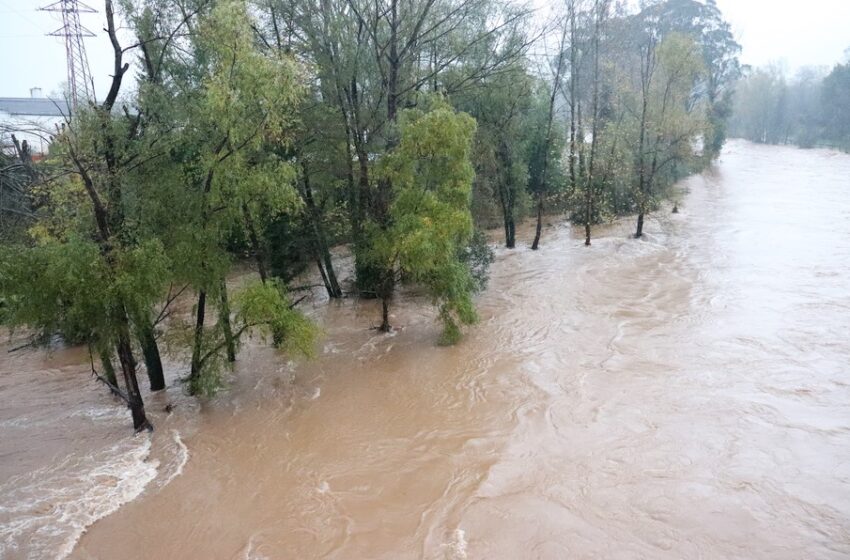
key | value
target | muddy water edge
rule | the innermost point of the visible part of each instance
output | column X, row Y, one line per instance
column 682, row 396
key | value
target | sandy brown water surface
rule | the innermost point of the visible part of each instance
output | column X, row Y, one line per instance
column 682, row 396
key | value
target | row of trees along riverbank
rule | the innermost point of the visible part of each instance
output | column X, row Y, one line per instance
column 810, row 110
column 267, row 132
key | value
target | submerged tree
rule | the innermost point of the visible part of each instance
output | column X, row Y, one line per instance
column 430, row 224
column 235, row 103
column 666, row 123
column 100, row 275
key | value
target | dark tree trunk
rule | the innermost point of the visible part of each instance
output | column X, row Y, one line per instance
column 150, row 350
column 103, row 218
column 510, row 238
column 506, row 194
column 195, row 370
column 385, row 315
column 320, row 243
column 639, row 231
column 324, row 276
column 224, row 317
column 128, row 369
column 591, row 179
column 539, row 229
column 386, row 283
column 547, row 140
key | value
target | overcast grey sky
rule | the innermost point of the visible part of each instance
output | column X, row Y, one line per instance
column 798, row 32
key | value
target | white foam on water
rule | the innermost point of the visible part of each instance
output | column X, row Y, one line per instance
column 457, row 545
column 250, row 552
column 104, row 413
column 181, row 457
column 44, row 513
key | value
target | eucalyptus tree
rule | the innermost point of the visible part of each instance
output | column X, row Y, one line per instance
column 704, row 24
column 541, row 180
column 667, row 124
column 587, row 182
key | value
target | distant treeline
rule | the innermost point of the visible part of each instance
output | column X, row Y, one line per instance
column 812, row 109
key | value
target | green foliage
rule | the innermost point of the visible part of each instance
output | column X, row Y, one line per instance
column 66, row 287
column 478, row 256
column 430, row 220
column 267, row 308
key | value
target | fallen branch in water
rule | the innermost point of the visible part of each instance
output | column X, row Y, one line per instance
column 113, row 388
column 21, row 347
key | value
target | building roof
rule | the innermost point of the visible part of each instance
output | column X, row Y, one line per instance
column 33, row 106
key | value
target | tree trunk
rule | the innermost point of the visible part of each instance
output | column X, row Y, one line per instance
column 320, row 243
column 639, row 231
column 536, row 244
column 506, row 194
column 150, row 350
column 385, row 315
column 597, row 31
column 128, row 369
column 224, row 317
column 546, row 143
column 195, row 370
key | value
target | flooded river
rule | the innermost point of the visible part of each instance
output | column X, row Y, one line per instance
column 682, row 396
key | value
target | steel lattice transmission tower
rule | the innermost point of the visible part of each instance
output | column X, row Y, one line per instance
column 80, row 85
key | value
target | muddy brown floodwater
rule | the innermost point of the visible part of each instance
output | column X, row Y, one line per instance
column 682, row 396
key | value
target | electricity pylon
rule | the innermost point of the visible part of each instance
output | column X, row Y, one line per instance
column 80, row 85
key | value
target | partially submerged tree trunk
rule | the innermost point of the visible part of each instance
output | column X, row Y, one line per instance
column 547, row 140
column 224, row 319
column 385, row 315
column 507, row 196
column 599, row 9
column 150, row 350
column 320, row 243
column 200, row 313
column 128, row 369
column 539, row 229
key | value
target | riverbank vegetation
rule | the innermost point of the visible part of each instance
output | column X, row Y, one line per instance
column 810, row 109
column 268, row 132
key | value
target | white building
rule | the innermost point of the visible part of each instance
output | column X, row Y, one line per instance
column 32, row 119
